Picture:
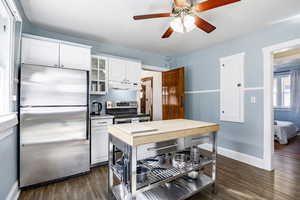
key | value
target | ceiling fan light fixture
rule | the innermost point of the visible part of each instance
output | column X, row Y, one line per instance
column 183, row 25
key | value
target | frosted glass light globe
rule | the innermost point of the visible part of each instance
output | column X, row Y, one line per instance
column 187, row 25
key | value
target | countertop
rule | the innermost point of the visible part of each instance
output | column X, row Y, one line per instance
column 136, row 134
column 101, row 117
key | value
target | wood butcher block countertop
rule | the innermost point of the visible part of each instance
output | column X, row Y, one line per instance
column 136, row 134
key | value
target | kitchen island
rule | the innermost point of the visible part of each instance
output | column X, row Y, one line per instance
column 160, row 159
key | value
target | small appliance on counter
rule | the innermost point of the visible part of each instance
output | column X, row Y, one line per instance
column 125, row 112
column 96, row 108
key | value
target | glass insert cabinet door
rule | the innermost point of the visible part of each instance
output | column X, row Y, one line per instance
column 99, row 75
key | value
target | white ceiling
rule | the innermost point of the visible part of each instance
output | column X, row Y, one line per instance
column 111, row 21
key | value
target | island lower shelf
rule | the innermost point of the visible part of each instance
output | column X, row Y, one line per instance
column 165, row 174
column 179, row 189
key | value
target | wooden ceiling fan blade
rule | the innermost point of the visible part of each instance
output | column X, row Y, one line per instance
column 210, row 4
column 168, row 33
column 150, row 16
column 204, row 25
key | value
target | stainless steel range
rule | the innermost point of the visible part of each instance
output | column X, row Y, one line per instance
column 125, row 112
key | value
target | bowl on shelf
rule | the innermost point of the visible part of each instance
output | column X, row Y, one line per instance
column 142, row 174
column 181, row 159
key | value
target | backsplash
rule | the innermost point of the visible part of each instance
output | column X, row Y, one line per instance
column 114, row 95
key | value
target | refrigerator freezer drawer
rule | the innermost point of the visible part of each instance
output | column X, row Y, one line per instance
column 46, row 162
column 52, row 124
column 48, row 86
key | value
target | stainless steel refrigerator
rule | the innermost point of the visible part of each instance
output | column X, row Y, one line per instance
column 54, row 138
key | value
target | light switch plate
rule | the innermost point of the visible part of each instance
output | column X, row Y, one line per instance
column 253, row 99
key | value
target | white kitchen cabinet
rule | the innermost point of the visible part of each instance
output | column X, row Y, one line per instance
column 124, row 73
column 133, row 71
column 55, row 53
column 99, row 69
column 40, row 52
column 99, row 140
column 117, row 70
column 232, row 88
column 75, row 57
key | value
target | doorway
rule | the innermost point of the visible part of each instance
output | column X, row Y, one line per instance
column 286, row 102
column 147, row 96
column 156, row 74
column 173, row 94
column 269, row 99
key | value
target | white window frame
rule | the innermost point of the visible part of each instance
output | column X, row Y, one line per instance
column 8, row 117
column 280, row 94
column 6, row 71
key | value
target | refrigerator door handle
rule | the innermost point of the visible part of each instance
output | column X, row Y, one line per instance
column 51, row 110
column 55, row 142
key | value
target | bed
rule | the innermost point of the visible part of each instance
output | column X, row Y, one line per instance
column 284, row 130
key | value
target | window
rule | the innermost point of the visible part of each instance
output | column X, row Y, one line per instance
column 275, row 92
column 7, row 22
column 282, row 91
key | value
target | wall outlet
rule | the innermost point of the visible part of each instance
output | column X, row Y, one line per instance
column 253, row 99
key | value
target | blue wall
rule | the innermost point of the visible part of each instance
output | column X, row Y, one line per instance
column 8, row 166
column 287, row 115
column 115, row 95
column 202, row 73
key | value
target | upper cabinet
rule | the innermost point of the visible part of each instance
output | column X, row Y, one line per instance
column 40, row 52
column 99, row 75
column 75, row 57
column 117, row 70
column 55, row 53
column 133, row 71
column 232, row 88
column 124, row 73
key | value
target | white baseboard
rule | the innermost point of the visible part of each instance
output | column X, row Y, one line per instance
column 245, row 158
column 14, row 192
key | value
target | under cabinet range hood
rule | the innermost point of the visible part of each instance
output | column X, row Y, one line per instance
column 123, row 86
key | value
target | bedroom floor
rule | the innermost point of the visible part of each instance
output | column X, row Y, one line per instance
column 291, row 150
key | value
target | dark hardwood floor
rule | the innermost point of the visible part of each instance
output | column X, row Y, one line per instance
column 236, row 181
column 292, row 149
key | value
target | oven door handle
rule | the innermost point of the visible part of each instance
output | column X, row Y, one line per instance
column 123, row 120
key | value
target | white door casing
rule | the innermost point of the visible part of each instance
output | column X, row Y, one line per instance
column 268, row 99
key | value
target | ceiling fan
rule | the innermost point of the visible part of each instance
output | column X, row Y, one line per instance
column 185, row 13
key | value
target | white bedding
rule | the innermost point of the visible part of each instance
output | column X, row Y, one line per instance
column 284, row 130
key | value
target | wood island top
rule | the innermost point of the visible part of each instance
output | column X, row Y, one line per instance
column 136, row 134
